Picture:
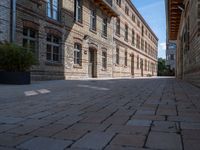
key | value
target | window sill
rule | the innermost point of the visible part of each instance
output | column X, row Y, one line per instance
column 53, row 63
column 103, row 36
column 56, row 22
column 118, row 35
column 126, row 40
column 93, row 31
column 77, row 66
column 78, row 23
column 103, row 69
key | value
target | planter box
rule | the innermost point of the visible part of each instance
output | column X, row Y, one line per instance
column 17, row 78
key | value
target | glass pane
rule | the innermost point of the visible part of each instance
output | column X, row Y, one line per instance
column 55, row 14
column 55, row 57
column 48, row 48
column 48, row 56
column 56, row 50
column 55, row 40
column 32, row 45
column 48, row 37
column 25, row 31
column 49, row 8
column 32, row 33
column 25, row 43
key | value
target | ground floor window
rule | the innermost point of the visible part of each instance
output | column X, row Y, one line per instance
column 117, row 55
column 53, row 48
column 77, row 53
column 138, row 63
column 104, row 59
column 30, row 39
column 126, row 58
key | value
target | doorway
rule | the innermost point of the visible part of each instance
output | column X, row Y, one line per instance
column 92, row 65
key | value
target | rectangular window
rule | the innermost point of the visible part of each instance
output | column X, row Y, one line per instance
column 145, row 65
column 53, row 48
column 93, row 19
column 133, row 37
column 138, row 63
column 104, row 59
column 104, row 26
column 126, row 32
column 126, row 58
column 133, row 17
column 145, row 46
column 127, row 10
column 77, row 53
column 53, row 9
column 138, row 41
column 118, row 26
column 118, row 2
column 142, row 44
column 30, row 39
column 78, row 10
column 117, row 56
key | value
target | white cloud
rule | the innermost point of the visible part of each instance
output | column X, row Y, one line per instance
column 162, row 46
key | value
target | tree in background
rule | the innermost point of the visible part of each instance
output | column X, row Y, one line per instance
column 163, row 69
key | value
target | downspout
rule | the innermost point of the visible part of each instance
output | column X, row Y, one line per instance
column 13, row 21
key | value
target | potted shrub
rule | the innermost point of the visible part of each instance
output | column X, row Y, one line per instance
column 15, row 63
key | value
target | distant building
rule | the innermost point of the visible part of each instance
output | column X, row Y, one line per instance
column 82, row 38
column 5, row 23
column 171, row 55
column 183, row 20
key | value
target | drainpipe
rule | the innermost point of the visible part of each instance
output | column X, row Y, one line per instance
column 13, row 21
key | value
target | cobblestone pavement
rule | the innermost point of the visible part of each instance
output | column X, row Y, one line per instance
column 123, row 114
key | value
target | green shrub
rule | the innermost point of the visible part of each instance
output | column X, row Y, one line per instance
column 14, row 58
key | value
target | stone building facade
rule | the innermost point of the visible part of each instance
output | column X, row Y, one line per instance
column 136, row 42
column 78, row 39
column 186, row 31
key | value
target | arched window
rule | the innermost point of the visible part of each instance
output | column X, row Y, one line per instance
column 77, row 53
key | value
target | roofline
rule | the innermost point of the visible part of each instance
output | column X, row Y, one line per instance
column 140, row 16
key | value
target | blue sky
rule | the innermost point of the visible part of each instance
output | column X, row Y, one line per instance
column 153, row 12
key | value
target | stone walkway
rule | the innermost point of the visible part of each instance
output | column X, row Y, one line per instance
column 123, row 114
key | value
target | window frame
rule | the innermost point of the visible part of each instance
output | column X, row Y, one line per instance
column 50, row 10
column 126, row 58
column 104, row 59
column 77, row 60
column 105, row 27
column 117, row 56
column 126, row 32
column 93, row 19
column 78, row 5
column 53, row 45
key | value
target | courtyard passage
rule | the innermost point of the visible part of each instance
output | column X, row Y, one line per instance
column 120, row 114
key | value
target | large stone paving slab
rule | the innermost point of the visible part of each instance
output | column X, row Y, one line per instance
column 94, row 140
column 41, row 143
column 129, row 140
column 164, row 141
